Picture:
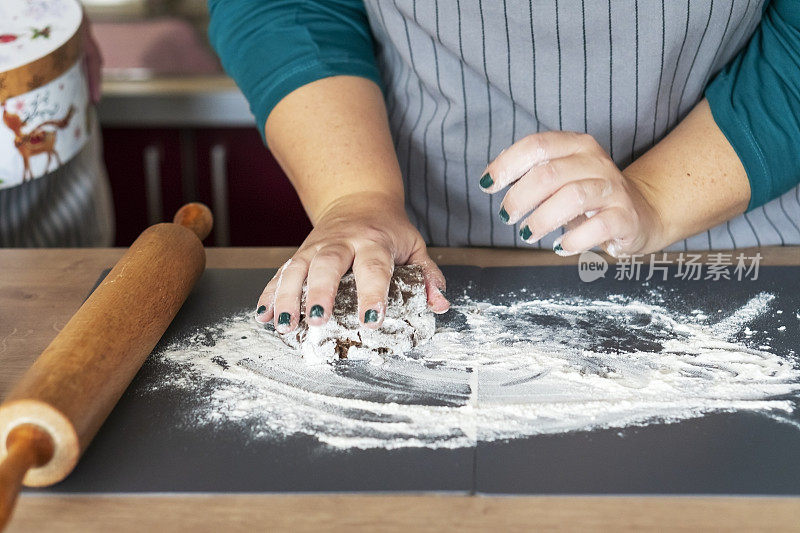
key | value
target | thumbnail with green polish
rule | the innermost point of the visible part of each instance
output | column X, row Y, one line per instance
column 284, row 319
column 558, row 248
column 370, row 316
column 486, row 181
column 261, row 309
column 503, row 215
column 316, row 311
column 525, row 233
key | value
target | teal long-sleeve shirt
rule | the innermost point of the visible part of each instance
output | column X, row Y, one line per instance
column 271, row 47
column 755, row 101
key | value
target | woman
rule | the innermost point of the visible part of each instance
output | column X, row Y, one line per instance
column 598, row 105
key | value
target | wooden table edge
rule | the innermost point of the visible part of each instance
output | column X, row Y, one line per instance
column 272, row 257
column 400, row 512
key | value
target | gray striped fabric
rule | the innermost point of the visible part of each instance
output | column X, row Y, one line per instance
column 467, row 78
column 69, row 207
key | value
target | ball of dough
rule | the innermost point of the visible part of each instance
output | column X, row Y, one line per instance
column 408, row 322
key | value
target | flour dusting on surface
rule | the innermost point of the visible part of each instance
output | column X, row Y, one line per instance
column 492, row 372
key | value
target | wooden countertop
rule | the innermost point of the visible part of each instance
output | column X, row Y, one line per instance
column 174, row 102
column 169, row 85
column 41, row 289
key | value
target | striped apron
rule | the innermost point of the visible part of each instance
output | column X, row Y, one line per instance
column 466, row 78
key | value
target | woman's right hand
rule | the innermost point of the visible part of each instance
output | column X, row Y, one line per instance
column 371, row 233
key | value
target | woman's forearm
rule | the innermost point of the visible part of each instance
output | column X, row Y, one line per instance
column 332, row 139
column 692, row 178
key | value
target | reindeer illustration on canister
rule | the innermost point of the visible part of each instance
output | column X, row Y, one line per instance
column 41, row 139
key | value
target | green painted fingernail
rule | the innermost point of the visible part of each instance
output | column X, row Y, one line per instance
column 284, row 319
column 525, row 233
column 503, row 214
column 557, row 248
column 486, row 181
column 316, row 311
column 261, row 309
column 370, row 316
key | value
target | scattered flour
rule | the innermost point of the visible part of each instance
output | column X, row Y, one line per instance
column 492, row 372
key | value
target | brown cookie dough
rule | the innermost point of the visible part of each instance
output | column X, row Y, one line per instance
column 408, row 322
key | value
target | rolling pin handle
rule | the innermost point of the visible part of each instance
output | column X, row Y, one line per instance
column 28, row 446
column 196, row 217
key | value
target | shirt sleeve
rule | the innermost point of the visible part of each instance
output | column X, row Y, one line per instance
column 272, row 47
column 755, row 101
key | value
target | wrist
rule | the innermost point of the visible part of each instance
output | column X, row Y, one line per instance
column 658, row 232
column 362, row 204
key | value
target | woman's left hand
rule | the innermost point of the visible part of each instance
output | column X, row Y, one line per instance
column 563, row 178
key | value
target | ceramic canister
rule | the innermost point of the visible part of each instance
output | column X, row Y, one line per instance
column 43, row 87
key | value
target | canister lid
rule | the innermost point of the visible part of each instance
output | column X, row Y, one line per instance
column 32, row 29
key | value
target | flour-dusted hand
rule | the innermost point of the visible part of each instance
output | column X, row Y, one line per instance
column 367, row 231
column 566, row 179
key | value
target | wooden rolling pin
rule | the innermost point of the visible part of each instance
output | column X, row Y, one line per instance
column 55, row 410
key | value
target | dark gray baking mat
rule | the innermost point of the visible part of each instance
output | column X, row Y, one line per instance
column 143, row 447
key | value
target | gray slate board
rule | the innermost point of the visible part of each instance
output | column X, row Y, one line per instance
column 142, row 447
